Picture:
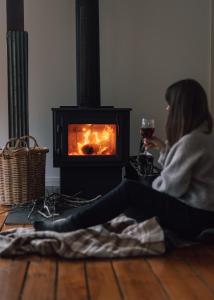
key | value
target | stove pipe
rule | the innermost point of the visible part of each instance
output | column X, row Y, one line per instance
column 87, row 53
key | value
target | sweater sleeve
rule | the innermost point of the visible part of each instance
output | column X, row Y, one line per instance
column 163, row 154
column 176, row 176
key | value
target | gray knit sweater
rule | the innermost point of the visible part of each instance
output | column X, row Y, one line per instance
column 188, row 170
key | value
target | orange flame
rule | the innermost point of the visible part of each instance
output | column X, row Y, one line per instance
column 91, row 139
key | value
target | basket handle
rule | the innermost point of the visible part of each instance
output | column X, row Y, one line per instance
column 26, row 140
column 16, row 140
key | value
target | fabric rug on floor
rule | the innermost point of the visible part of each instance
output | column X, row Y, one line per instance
column 121, row 237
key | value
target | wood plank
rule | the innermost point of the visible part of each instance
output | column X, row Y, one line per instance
column 201, row 260
column 211, row 247
column 11, row 278
column 4, row 210
column 102, row 283
column 2, row 220
column 40, row 280
column 71, row 281
column 12, row 226
column 28, row 226
column 137, row 280
column 178, row 279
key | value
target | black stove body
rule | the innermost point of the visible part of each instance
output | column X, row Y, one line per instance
column 91, row 172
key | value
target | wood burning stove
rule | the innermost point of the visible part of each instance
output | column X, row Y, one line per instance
column 91, row 142
column 91, row 145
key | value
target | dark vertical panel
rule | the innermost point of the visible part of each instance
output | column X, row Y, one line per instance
column 88, row 53
column 15, row 15
column 10, row 89
column 14, row 84
column 17, row 49
column 25, row 85
column 18, row 84
column 17, row 56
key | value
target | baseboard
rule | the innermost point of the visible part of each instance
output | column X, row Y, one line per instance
column 52, row 181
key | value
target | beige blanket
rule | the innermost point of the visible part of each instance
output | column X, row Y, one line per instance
column 122, row 237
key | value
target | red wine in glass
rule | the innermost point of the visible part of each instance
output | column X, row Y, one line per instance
column 147, row 130
column 147, row 133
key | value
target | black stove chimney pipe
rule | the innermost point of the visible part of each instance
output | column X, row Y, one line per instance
column 88, row 53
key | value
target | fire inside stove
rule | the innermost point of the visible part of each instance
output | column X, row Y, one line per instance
column 91, row 139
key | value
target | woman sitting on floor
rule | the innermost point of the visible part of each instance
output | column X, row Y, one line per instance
column 182, row 197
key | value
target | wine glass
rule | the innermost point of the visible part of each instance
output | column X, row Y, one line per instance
column 147, row 131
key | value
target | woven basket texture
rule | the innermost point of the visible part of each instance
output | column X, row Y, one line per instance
column 22, row 171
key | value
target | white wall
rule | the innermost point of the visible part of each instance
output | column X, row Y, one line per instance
column 145, row 46
column 52, row 68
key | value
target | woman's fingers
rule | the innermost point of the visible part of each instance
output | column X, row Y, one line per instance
column 154, row 142
column 149, row 144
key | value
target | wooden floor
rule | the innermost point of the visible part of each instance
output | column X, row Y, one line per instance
column 185, row 274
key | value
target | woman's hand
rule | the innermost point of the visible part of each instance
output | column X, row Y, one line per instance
column 154, row 143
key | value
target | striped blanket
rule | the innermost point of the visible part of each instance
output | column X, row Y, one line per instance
column 121, row 237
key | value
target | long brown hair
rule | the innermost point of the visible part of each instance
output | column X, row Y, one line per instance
column 188, row 109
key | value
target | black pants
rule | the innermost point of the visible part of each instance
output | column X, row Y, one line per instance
column 145, row 203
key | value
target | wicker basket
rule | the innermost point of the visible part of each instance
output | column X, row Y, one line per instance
column 22, row 171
